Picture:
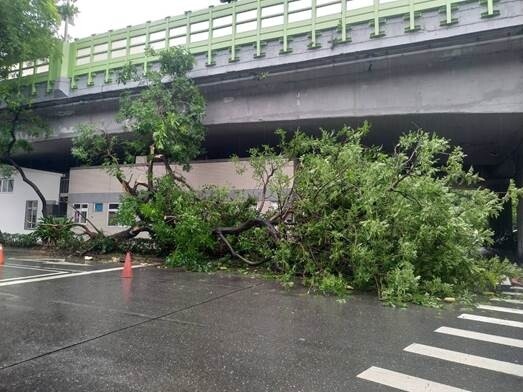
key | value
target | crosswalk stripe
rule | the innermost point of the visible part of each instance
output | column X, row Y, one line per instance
column 500, row 309
column 508, row 300
column 466, row 359
column 485, row 337
column 491, row 320
column 404, row 382
column 516, row 288
column 512, row 293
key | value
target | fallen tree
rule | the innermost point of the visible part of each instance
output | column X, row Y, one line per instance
column 408, row 223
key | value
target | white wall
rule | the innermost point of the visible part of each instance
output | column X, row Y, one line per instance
column 92, row 185
column 12, row 204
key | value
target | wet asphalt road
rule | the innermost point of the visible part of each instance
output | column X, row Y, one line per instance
column 170, row 331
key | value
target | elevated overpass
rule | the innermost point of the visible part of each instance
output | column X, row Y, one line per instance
column 454, row 67
column 450, row 66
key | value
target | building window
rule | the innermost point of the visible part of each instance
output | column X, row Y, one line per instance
column 31, row 214
column 6, row 185
column 80, row 213
column 112, row 214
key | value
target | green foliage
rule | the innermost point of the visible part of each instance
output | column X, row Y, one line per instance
column 19, row 240
column 182, row 221
column 409, row 224
column 401, row 284
column 167, row 115
column 165, row 118
column 18, row 125
column 27, row 33
column 27, row 30
column 486, row 274
column 328, row 283
column 55, row 232
column 437, row 288
column 68, row 10
column 18, row 116
column 91, row 147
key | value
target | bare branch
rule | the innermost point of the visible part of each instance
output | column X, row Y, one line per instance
column 222, row 231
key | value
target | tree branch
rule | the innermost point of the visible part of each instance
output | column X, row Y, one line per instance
column 222, row 231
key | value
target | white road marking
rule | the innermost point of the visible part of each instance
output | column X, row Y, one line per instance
column 43, row 260
column 516, row 288
column 404, row 382
column 509, row 301
column 24, row 267
column 65, row 263
column 39, row 268
column 491, row 320
column 32, row 276
column 512, row 293
column 466, row 359
column 500, row 309
column 71, row 275
column 485, row 337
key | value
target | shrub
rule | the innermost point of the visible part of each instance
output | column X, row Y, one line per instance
column 56, row 232
column 182, row 221
column 19, row 240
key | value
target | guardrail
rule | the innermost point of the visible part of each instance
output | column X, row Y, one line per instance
column 228, row 27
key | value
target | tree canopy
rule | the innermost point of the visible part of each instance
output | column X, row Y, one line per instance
column 28, row 29
column 165, row 121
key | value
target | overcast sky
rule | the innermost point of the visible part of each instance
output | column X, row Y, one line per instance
column 98, row 16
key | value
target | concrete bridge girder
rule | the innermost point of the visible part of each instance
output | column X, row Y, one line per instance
column 472, row 94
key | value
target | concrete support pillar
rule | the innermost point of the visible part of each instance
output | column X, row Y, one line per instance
column 519, row 219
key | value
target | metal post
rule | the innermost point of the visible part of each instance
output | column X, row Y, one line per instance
column 188, row 30
column 376, row 19
column 90, row 80
column 448, row 8
column 258, row 28
column 412, row 21
column 109, row 57
column 209, row 38
column 490, row 7
column 233, row 36
column 313, row 23
column 147, row 41
column 167, row 32
column 519, row 221
column 285, row 48
column 343, row 20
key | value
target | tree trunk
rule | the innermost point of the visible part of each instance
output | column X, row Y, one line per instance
column 20, row 170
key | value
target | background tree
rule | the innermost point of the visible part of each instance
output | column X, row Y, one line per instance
column 165, row 122
column 28, row 29
column 18, row 125
column 67, row 10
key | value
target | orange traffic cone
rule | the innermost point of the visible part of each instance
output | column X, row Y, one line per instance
column 127, row 271
column 1, row 254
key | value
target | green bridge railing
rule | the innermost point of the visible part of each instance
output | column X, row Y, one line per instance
column 229, row 27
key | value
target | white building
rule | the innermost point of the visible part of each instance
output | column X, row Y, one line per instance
column 95, row 196
column 20, row 206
